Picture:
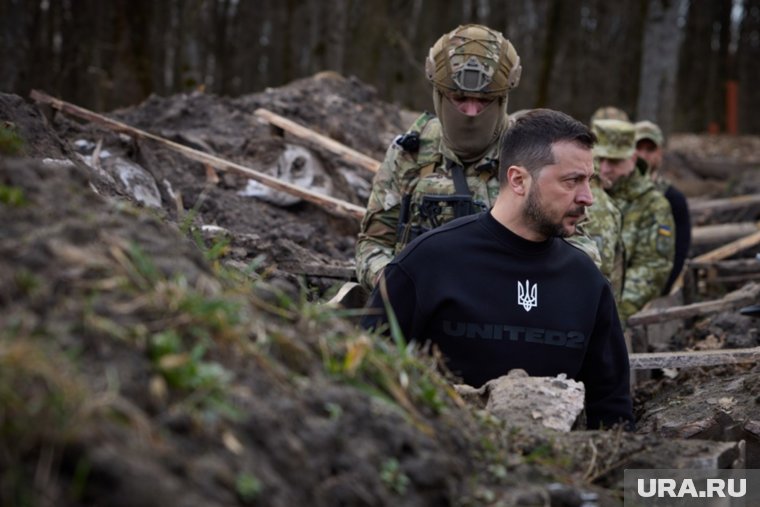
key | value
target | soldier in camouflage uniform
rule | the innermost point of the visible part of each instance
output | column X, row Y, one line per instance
column 445, row 166
column 648, row 228
column 604, row 225
column 649, row 144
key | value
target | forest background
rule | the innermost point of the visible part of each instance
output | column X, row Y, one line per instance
column 689, row 65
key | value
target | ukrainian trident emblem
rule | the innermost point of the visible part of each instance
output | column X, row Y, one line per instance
column 527, row 296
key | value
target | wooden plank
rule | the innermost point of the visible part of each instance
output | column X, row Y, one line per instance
column 326, row 202
column 348, row 154
column 722, row 233
column 744, row 296
column 692, row 359
column 724, row 204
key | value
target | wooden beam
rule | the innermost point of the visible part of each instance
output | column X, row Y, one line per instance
column 692, row 359
column 718, row 254
column 326, row 202
column 348, row 154
column 722, row 233
column 730, row 249
column 725, row 204
column 744, row 296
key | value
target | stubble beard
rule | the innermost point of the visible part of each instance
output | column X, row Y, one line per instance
column 543, row 224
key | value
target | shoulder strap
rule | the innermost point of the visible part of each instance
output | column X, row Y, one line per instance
column 457, row 174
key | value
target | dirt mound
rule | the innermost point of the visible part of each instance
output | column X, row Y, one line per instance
column 132, row 373
column 39, row 140
column 288, row 240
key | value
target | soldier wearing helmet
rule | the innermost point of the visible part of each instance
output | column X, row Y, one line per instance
column 472, row 70
column 446, row 165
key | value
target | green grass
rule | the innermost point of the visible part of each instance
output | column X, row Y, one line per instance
column 248, row 487
column 394, row 477
column 12, row 196
column 11, row 143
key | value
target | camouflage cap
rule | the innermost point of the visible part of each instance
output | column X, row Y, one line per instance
column 648, row 130
column 474, row 60
column 615, row 139
column 609, row 113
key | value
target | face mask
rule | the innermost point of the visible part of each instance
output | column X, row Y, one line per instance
column 470, row 136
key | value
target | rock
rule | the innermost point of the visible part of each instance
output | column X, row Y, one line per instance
column 298, row 166
column 522, row 401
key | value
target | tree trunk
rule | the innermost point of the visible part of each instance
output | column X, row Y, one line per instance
column 336, row 35
column 748, row 56
column 659, row 61
column 699, row 84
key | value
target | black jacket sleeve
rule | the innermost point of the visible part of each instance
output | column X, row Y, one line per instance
column 682, row 219
column 605, row 370
column 402, row 292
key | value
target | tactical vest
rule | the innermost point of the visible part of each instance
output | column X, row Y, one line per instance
column 434, row 189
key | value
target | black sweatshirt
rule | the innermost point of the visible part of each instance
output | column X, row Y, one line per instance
column 492, row 301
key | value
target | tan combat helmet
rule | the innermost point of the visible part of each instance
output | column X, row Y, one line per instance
column 475, row 61
column 648, row 130
column 609, row 113
column 615, row 139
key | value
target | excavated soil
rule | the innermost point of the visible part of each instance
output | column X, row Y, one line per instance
column 172, row 354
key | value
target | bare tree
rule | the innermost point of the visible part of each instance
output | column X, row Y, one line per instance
column 659, row 61
column 336, row 34
column 700, row 93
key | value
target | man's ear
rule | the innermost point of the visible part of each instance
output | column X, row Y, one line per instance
column 517, row 179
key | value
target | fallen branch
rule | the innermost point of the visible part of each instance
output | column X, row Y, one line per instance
column 691, row 359
column 348, row 154
column 329, row 203
column 744, row 296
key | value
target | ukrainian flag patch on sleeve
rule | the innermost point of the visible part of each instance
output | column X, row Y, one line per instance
column 664, row 243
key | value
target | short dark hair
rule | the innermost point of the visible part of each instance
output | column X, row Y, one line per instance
column 528, row 143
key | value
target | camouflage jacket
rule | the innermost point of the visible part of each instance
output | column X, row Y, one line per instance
column 648, row 237
column 603, row 225
column 412, row 192
column 660, row 183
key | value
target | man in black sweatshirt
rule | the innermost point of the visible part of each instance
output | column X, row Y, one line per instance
column 504, row 289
